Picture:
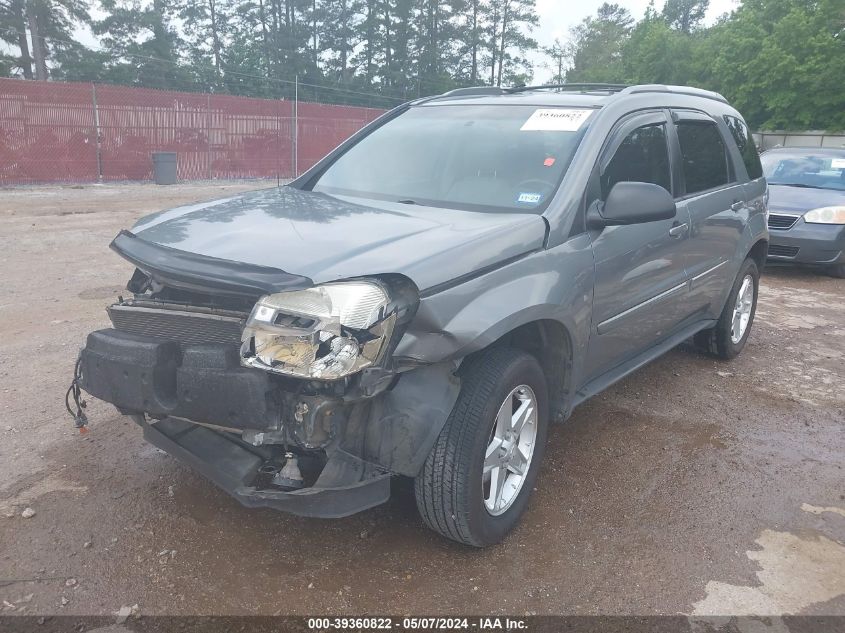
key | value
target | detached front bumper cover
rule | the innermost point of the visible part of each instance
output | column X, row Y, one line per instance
column 346, row 485
column 143, row 376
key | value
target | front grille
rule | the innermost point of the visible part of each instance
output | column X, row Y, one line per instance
column 181, row 325
column 782, row 222
column 776, row 250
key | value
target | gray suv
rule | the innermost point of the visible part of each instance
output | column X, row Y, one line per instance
column 432, row 294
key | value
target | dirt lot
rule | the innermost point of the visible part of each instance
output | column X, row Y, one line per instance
column 693, row 486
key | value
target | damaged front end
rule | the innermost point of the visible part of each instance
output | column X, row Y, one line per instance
column 284, row 393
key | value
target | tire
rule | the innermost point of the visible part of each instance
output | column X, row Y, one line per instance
column 837, row 271
column 719, row 340
column 449, row 490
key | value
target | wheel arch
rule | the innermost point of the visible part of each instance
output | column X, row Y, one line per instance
column 550, row 342
column 759, row 252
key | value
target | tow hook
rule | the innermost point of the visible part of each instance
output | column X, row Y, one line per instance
column 289, row 476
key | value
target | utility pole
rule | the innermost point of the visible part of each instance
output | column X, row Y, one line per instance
column 296, row 126
column 97, row 143
column 208, row 133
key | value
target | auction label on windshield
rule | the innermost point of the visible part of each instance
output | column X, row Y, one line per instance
column 555, row 120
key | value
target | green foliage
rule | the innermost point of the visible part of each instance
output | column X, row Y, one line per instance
column 685, row 15
column 558, row 54
column 780, row 62
column 597, row 45
column 142, row 43
column 40, row 30
column 349, row 51
column 657, row 53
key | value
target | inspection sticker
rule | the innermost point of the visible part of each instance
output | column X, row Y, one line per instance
column 555, row 120
column 530, row 198
column 837, row 163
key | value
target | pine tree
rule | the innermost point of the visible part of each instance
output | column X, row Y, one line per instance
column 510, row 22
column 205, row 25
column 596, row 45
column 42, row 32
column 143, row 44
column 558, row 54
column 685, row 15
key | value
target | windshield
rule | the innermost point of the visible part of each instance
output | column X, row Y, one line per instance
column 805, row 168
column 483, row 157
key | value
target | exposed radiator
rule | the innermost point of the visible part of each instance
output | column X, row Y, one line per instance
column 183, row 326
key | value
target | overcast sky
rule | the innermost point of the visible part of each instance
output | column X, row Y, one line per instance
column 558, row 16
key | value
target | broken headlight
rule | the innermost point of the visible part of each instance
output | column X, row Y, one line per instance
column 328, row 331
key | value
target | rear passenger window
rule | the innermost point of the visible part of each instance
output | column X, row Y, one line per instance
column 705, row 162
column 642, row 157
column 745, row 143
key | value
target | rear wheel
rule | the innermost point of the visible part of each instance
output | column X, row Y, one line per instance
column 727, row 338
column 476, row 481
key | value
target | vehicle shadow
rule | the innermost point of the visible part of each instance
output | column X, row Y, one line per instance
column 787, row 271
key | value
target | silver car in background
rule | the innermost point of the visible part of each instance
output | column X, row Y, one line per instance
column 807, row 206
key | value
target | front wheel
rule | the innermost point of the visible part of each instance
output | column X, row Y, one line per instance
column 728, row 337
column 475, row 483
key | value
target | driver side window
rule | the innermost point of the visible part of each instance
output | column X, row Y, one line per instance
column 642, row 157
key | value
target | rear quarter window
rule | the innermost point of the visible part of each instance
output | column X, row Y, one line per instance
column 745, row 143
column 705, row 161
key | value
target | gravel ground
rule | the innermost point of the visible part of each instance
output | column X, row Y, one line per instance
column 694, row 486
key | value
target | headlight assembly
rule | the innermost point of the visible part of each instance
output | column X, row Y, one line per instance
column 328, row 331
column 826, row 215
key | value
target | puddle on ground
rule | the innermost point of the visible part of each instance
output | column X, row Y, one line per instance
column 806, row 507
column 796, row 572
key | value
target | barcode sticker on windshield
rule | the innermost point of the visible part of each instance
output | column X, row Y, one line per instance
column 555, row 120
column 837, row 163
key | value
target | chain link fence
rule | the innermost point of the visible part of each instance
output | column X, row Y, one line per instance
column 81, row 132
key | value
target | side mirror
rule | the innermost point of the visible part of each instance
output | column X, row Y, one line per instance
column 632, row 203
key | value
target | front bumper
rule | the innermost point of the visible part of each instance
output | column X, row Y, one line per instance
column 204, row 383
column 818, row 244
column 167, row 388
column 346, row 485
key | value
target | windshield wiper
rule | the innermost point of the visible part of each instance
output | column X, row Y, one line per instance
column 797, row 184
column 407, row 201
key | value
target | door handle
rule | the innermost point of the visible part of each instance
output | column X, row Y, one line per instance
column 737, row 205
column 679, row 229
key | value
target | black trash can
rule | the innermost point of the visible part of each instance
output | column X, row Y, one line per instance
column 164, row 168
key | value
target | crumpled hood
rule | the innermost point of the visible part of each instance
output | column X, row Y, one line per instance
column 801, row 200
column 326, row 237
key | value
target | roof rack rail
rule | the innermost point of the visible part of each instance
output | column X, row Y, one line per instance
column 475, row 90
column 683, row 90
column 577, row 87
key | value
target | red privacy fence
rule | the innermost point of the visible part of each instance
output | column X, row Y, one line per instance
column 79, row 132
